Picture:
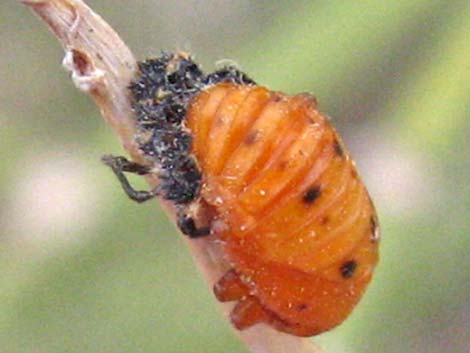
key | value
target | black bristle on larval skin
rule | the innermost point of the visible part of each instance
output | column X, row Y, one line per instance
column 229, row 74
column 178, row 184
column 160, row 97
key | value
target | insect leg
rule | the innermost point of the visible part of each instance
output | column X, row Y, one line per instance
column 248, row 312
column 230, row 287
column 119, row 165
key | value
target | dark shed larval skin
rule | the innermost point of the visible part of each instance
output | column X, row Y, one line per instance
column 161, row 93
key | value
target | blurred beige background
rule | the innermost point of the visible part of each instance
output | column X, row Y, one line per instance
column 83, row 269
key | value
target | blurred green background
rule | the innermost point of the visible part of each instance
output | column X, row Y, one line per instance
column 83, row 269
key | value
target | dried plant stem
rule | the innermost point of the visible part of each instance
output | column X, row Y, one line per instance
column 102, row 65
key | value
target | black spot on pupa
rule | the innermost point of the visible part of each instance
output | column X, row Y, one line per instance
column 348, row 268
column 251, row 137
column 337, row 148
column 312, row 194
column 325, row 220
column 301, row 307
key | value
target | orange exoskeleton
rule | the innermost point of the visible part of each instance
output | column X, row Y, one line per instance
column 277, row 186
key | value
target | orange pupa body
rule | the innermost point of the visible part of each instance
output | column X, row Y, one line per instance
column 276, row 187
column 296, row 221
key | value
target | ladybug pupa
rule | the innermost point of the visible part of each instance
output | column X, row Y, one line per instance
column 267, row 176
